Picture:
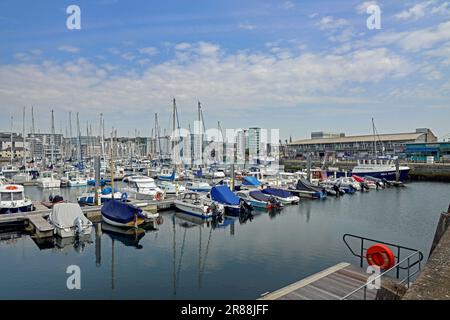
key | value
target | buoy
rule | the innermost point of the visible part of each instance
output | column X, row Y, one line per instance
column 380, row 255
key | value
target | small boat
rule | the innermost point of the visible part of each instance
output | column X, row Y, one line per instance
column 9, row 171
column 48, row 179
column 308, row 190
column 122, row 214
column 198, row 205
column 233, row 204
column 348, row 182
column 143, row 188
column 69, row 220
column 105, row 195
column 171, row 188
column 52, row 200
column 259, row 200
column 167, row 174
column 198, row 186
column 286, row 197
column 76, row 180
column 12, row 199
column 251, row 182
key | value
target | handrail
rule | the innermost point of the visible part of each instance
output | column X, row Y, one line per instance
column 385, row 272
column 398, row 247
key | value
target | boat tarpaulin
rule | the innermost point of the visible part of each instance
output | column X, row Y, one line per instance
column 251, row 181
column 277, row 192
column 258, row 195
column 121, row 212
column 224, row 195
column 64, row 214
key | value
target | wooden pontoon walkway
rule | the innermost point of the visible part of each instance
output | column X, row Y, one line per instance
column 330, row 284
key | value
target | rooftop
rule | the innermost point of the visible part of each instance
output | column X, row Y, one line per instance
column 363, row 138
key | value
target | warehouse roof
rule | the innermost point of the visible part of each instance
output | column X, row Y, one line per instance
column 365, row 138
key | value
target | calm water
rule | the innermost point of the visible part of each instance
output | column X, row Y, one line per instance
column 240, row 260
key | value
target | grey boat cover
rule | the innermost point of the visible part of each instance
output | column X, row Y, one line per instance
column 64, row 215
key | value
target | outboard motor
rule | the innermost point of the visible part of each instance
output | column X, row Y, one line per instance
column 216, row 212
column 245, row 207
column 274, row 202
column 78, row 226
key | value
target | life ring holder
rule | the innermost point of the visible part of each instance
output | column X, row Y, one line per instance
column 380, row 255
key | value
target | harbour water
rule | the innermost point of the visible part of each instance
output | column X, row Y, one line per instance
column 236, row 260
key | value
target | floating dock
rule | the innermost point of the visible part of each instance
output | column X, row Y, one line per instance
column 333, row 283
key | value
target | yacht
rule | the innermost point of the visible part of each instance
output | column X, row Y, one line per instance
column 48, row 179
column 12, row 199
column 198, row 205
column 171, row 188
column 143, row 188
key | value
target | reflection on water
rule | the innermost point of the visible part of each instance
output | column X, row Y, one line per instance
column 234, row 257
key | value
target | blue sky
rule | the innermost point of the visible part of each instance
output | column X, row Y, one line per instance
column 299, row 66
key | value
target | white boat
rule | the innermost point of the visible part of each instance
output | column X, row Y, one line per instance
column 75, row 179
column 9, row 171
column 22, row 178
column 143, row 188
column 12, row 199
column 198, row 205
column 48, row 179
column 171, row 188
column 198, row 186
column 69, row 220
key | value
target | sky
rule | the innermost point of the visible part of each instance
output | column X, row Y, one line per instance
column 297, row 66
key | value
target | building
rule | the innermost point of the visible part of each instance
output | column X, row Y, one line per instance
column 49, row 145
column 321, row 134
column 19, row 153
column 241, row 145
column 440, row 151
column 360, row 146
column 254, row 142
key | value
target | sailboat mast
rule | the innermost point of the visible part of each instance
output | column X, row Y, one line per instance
column 79, row 139
column 101, row 135
column 23, row 137
column 374, row 139
column 12, row 141
column 71, row 134
column 53, row 139
column 32, row 133
column 112, row 163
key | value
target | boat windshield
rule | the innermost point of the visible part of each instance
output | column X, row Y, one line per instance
column 6, row 196
column 16, row 196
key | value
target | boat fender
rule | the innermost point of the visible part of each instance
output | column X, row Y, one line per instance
column 380, row 255
column 159, row 220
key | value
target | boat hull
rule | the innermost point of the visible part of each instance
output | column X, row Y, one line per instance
column 192, row 210
column 388, row 174
column 25, row 208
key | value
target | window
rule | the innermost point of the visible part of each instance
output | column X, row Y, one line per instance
column 6, row 196
column 17, row 196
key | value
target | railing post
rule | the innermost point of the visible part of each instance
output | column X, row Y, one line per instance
column 398, row 260
column 408, row 272
column 365, row 292
column 362, row 253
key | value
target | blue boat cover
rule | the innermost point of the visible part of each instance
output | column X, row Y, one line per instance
column 277, row 192
column 251, row 181
column 258, row 195
column 121, row 212
column 224, row 195
column 107, row 190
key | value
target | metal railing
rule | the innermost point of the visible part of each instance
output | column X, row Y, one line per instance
column 363, row 249
column 372, row 280
column 413, row 258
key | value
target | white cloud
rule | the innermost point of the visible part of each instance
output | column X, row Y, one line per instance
column 242, row 80
column 329, row 23
column 148, row 50
column 288, row 4
column 362, row 8
column 68, row 48
column 247, row 26
column 422, row 9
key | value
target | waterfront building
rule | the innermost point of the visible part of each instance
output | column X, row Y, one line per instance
column 361, row 145
column 241, row 145
column 420, row 152
column 254, row 142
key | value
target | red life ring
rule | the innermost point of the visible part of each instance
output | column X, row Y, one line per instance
column 380, row 255
column 158, row 196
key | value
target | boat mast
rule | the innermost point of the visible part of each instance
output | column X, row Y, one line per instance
column 71, row 134
column 12, row 141
column 374, row 140
column 52, row 140
column 80, row 154
column 32, row 133
column 23, row 137
column 101, row 135
column 111, row 147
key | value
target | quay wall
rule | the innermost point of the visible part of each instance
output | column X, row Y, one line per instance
column 419, row 171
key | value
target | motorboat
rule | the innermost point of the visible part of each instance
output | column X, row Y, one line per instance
column 9, row 171
column 381, row 169
column 122, row 214
column 167, row 174
column 12, row 199
column 69, row 220
column 233, row 204
column 48, row 179
column 198, row 205
column 105, row 195
column 142, row 188
column 171, row 188
column 259, row 200
column 198, row 186
column 74, row 179
column 309, row 190
column 284, row 196
column 251, row 182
